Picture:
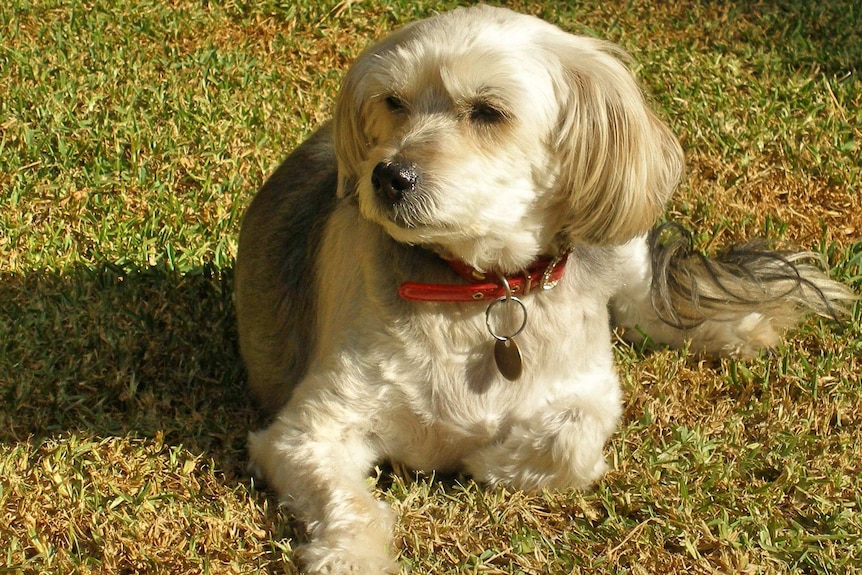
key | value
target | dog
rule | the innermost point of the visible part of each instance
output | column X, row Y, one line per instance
column 432, row 277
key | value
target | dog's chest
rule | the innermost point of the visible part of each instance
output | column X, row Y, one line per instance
column 448, row 396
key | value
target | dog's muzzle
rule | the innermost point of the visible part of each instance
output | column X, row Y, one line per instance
column 394, row 181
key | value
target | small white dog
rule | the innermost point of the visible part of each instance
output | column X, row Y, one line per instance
column 430, row 279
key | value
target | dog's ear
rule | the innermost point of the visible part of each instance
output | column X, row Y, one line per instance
column 619, row 163
column 366, row 79
column 348, row 123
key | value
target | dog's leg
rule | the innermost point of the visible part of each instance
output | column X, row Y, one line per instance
column 559, row 447
column 735, row 304
column 319, row 468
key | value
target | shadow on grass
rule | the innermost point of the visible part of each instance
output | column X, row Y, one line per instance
column 122, row 352
column 823, row 36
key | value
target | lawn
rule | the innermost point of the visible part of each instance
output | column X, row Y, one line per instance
column 133, row 134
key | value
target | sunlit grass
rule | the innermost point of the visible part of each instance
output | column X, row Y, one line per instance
column 132, row 137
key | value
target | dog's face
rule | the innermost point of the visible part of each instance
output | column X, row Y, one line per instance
column 493, row 137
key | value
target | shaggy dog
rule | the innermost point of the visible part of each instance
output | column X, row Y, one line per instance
column 431, row 279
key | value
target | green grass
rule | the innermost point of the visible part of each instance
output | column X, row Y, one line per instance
column 134, row 134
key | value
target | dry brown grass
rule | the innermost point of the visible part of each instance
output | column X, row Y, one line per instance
column 132, row 136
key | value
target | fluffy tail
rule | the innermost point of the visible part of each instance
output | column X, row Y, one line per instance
column 734, row 304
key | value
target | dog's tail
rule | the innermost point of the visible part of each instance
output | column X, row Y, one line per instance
column 735, row 304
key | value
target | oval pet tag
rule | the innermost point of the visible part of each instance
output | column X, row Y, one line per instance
column 507, row 356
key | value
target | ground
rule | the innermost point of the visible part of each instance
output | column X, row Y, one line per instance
column 134, row 134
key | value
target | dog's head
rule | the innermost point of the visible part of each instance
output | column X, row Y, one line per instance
column 494, row 137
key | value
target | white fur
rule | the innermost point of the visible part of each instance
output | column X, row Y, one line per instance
column 578, row 163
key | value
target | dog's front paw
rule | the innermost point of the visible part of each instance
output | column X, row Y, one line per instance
column 558, row 449
column 352, row 557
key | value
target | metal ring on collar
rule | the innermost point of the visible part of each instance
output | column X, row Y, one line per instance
column 488, row 317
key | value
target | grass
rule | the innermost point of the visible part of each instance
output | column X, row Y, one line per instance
column 132, row 137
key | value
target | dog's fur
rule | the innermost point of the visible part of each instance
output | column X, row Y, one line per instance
column 492, row 138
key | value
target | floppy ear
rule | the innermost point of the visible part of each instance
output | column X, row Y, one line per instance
column 619, row 163
column 348, row 123
column 361, row 83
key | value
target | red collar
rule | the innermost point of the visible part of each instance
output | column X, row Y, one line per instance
column 542, row 274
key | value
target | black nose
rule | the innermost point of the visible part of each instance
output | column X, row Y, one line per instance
column 394, row 180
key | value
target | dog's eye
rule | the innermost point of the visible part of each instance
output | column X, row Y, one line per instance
column 394, row 103
column 486, row 113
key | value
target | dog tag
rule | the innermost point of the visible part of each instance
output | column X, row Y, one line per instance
column 507, row 356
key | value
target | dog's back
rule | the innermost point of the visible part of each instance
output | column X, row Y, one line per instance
column 280, row 237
